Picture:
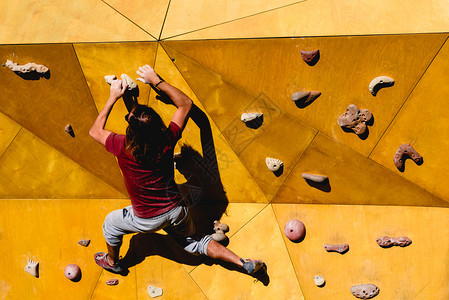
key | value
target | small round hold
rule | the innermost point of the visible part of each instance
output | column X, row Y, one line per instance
column 72, row 272
column 172, row 59
column 84, row 243
column 294, row 230
column 3, row 65
column 319, row 280
column 113, row 281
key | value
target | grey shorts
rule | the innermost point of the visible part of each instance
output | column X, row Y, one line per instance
column 176, row 222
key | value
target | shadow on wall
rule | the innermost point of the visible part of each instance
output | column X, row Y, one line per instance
column 203, row 192
column 143, row 245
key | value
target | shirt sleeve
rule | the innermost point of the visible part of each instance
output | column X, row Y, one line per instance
column 174, row 133
column 115, row 143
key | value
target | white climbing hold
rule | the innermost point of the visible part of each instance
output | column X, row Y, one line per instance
column 314, row 178
column 319, row 280
column 32, row 267
column 273, row 164
column 127, row 80
column 154, row 291
column 29, row 67
column 247, row 117
column 379, row 82
column 110, row 78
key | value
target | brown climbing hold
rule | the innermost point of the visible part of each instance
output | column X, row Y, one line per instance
column 112, row 281
column 84, row 243
column 406, row 151
column 68, row 128
column 340, row 248
column 365, row 291
column 354, row 119
column 310, row 57
column 302, row 98
column 220, row 230
column 386, row 241
column 294, row 230
column 72, row 272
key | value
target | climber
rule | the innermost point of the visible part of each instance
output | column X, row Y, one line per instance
column 145, row 156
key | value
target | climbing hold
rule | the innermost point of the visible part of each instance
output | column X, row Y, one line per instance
column 386, row 241
column 72, row 272
column 354, row 119
column 220, row 230
column 29, row 67
column 406, row 151
column 84, row 243
column 294, row 230
column 319, row 280
column 252, row 120
column 32, row 267
column 340, row 248
column 310, row 57
column 314, row 178
column 365, row 291
column 110, row 78
column 248, row 117
column 112, row 281
column 273, row 164
column 302, row 98
column 380, row 82
column 68, row 128
column 126, row 80
column 154, row 291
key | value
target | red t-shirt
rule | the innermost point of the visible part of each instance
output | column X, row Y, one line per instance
column 152, row 189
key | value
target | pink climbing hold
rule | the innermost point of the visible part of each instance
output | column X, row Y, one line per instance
column 72, row 272
column 112, row 281
column 294, row 230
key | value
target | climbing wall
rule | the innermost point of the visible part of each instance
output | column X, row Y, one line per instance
column 230, row 57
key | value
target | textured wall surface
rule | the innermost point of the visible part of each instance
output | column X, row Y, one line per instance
column 230, row 57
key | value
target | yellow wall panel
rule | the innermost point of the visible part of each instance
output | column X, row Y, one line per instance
column 423, row 123
column 99, row 60
column 56, row 21
column 259, row 239
column 149, row 17
column 237, row 181
column 8, row 130
column 343, row 73
column 46, row 105
column 159, row 265
column 353, row 179
column 48, row 231
column 32, row 169
column 331, row 18
column 225, row 103
column 418, row 271
column 184, row 17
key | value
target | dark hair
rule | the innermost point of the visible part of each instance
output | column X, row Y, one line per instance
column 146, row 134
